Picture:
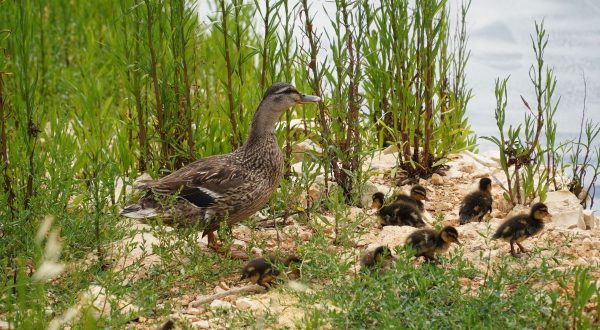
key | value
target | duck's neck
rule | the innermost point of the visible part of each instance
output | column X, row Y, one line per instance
column 263, row 123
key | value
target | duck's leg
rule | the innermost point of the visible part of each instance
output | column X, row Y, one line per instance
column 512, row 249
column 523, row 250
column 216, row 246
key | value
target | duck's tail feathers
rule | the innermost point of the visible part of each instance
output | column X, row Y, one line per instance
column 136, row 211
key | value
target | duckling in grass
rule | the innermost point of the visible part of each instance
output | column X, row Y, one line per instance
column 522, row 226
column 380, row 257
column 263, row 271
column 429, row 242
column 398, row 213
column 476, row 204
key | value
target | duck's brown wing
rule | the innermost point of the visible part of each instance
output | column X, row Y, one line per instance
column 202, row 182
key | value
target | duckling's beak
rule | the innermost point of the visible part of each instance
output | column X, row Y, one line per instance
column 308, row 99
column 458, row 242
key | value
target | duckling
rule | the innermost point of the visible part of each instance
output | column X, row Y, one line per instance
column 168, row 325
column 398, row 213
column 520, row 227
column 429, row 242
column 476, row 204
column 263, row 271
column 381, row 257
column 418, row 194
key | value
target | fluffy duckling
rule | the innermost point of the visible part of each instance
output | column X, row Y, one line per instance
column 522, row 226
column 418, row 194
column 398, row 213
column 381, row 257
column 263, row 271
column 476, row 204
column 429, row 242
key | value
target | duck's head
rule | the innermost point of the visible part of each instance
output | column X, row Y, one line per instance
column 485, row 184
column 382, row 253
column 282, row 96
column 378, row 199
column 539, row 211
column 419, row 193
column 449, row 234
column 277, row 99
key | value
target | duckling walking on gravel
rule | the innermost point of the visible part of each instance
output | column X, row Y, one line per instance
column 228, row 187
column 263, row 271
column 399, row 213
column 522, row 226
column 429, row 242
column 478, row 203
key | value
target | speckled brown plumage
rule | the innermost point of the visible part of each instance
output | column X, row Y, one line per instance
column 228, row 187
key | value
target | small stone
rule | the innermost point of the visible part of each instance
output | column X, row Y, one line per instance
column 437, row 179
column 466, row 167
column 203, row 324
column 496, row 213
column 392, row 149
column 193, row 311
column 244, row 304
column 218, row 289
column 220, row 305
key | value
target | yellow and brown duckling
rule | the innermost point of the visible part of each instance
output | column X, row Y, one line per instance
column 520, row 227
column 418, row 194
column 429, row 242
column 263, row 271
column 477, row 204
column 380, row 257
column 404, row 211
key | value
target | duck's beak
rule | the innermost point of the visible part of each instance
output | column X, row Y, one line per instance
column 308, row 99
column 458, row 242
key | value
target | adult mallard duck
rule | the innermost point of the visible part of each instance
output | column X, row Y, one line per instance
column 521, row 226
column 228, row 187
column 478, row 203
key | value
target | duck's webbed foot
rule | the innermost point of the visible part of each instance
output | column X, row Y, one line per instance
column 521, row 248
column 233, row 252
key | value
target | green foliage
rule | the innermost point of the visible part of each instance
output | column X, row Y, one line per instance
column 522, row 155
column 415, row 81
